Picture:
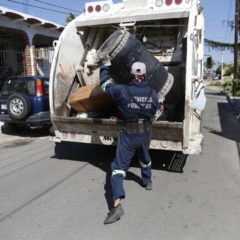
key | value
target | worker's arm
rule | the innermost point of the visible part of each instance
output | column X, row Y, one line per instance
column 105, row 80
column 159, row 111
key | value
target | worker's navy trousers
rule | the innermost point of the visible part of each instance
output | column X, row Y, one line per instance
column 127, row 146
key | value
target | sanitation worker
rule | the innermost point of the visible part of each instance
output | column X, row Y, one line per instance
column 138, row 104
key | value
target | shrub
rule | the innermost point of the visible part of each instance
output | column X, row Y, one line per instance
column 216, row 83
column 228, row 86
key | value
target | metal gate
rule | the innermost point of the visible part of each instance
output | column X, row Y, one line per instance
column 11, row 61
column 44, row 58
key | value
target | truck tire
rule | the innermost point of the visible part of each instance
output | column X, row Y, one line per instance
column 19, row 106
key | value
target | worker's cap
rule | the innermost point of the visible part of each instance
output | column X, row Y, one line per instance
column 138, row 68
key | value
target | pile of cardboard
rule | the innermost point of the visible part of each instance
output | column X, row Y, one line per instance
column 89, row 98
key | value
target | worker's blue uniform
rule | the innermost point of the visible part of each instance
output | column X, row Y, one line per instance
column 143, row 106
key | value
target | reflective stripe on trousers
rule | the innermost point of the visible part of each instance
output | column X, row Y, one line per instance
column 116, row 171
column 144, row 165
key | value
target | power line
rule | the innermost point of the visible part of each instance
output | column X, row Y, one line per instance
column 50, row 4
column 47, row 9
column 234, row 84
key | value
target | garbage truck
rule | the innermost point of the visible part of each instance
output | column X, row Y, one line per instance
column 168, row 35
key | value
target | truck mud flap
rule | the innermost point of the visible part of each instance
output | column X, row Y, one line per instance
column 177, row 162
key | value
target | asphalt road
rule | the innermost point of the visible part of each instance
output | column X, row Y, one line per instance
column 49, row 192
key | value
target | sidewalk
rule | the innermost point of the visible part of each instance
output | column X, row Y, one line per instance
column 233, row 101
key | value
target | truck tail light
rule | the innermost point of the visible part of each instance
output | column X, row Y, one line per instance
column 90, row 9
column 168, row 2
column 98, row 8
column 178, row 1
column 95, row 8
column 39, row 87
column 159, row 3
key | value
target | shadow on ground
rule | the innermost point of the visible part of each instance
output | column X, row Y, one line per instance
column 101, row 157
column 229, row 124
column 228, row 113
column 26, row 132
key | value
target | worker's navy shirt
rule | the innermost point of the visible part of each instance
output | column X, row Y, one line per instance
column 125, row 103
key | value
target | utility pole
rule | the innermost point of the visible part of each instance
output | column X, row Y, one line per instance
column 222, row 67
column 235, row 49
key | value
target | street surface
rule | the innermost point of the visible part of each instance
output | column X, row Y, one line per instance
column 48, row 193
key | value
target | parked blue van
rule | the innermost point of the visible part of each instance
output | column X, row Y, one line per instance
column 24, row 101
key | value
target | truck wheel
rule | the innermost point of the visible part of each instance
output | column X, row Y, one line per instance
column 18, row 106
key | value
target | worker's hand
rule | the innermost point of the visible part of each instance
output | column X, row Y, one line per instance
column 93, row 66
column 92, row 60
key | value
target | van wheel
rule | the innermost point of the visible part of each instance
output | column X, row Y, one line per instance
column 18, row 106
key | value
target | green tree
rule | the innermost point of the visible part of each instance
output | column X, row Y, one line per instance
column 209, row 63
column 218, row 69
column 228, row 70
column 70, row 17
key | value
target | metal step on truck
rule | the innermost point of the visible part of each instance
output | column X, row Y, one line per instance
column 171, row 31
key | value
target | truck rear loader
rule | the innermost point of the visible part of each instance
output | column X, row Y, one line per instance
column 171, row 31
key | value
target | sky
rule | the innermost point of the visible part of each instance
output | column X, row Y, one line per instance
column 217, row 13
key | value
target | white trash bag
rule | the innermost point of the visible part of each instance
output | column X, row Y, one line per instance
column 199, row 102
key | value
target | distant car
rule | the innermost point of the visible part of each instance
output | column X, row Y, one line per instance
column 217, row 77
column 24, row 101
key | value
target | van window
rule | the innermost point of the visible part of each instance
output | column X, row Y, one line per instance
column 18, row 86
column 45, row 87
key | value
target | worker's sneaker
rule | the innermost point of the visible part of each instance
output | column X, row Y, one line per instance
column 149, row 186
column 114, row 214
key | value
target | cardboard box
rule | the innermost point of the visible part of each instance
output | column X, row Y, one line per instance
column 90, row 98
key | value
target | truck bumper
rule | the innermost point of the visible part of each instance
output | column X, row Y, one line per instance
column 165, row 135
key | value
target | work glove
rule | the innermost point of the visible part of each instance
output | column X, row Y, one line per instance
column 92, row 60
column 97, row 64
column 107, row 64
